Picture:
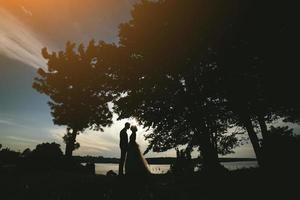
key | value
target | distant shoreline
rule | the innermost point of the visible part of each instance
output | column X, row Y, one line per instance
column 157, row 161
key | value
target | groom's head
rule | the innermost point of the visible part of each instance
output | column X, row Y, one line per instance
column 127, row 125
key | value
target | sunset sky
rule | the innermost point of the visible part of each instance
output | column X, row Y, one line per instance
column 26, row 26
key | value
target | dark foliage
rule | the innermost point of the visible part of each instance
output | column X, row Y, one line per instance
column 199, row 67
column 183, row 164
column 75, row 88
column 281, row 149
column 173, row 85
column 8, row 156
column 190, row 70
column 47, row 151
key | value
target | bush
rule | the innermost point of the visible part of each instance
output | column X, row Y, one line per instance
column 47, row 151
column 183, row 164
column 281, row 148
column 8, row 156
column 45, row 156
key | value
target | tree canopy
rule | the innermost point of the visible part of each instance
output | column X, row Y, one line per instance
column 190, row 70
column 200, row 67
column 75, row 88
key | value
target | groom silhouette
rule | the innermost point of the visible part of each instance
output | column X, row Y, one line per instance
column 123, row 146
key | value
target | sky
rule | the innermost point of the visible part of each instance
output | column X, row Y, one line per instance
column 26, row 26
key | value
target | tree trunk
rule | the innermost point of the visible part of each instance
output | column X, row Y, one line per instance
column 265, row 143
column 215, row 142
column 210, row 158
column 263, row 126
column 209, row 154
column 253, row 137
column 70, row 143
column 68, row 152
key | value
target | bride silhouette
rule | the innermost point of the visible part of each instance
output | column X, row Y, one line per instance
column 135, row 163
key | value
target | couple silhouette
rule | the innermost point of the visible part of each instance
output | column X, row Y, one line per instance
column 131, row 156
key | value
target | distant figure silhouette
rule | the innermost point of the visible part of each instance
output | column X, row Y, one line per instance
column 135, row 164
column 123, row 147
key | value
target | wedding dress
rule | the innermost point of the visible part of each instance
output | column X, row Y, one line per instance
column 135, row 163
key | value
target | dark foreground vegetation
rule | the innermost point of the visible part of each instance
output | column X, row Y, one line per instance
column 44, row 173
column 225, row 185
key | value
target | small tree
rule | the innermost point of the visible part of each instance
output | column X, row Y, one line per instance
column 45, row 156
column 78, row 99
column 47, row 151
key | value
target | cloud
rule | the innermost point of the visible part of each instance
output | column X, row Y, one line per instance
column 9, row 122
column 26, row 11
column 23, row 140
column 18, row 42
column 6, row 122
column 91, row 143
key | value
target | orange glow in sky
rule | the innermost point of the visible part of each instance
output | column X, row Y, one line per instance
column 61, row 20
column 29, row 25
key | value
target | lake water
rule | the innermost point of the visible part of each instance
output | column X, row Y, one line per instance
column 103, row 168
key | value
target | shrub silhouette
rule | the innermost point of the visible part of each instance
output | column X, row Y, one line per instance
column 47, row 151
column 44, row 157
column 183, row 164
column 8, row 156
column 282, row 148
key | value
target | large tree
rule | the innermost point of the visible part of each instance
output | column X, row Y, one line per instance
column 169, row 80
column 196, row 65
column 76, row 90
column 258, row 66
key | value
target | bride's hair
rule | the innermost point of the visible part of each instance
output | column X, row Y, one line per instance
column 133, row 128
